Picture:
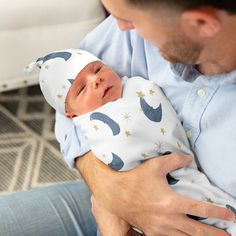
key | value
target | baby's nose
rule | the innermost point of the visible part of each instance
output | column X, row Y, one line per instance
column 96, row 81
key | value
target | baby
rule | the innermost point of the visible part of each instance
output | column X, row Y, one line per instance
column 125, row 121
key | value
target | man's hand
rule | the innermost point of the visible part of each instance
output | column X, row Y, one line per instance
column 143, row 198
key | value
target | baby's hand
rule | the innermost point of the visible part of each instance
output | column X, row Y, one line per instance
column 108, row 223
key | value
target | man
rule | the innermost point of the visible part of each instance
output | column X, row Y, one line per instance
column 190, row 33
column 202, row 91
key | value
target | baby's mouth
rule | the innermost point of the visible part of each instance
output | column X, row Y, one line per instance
column 106, row 90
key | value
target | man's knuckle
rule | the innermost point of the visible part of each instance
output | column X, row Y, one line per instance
column 177, row 158
column 168, row 204
column 204, row 211
column 201, row 209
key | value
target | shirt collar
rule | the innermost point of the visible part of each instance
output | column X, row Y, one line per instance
column 186, row 72
column 190, row 73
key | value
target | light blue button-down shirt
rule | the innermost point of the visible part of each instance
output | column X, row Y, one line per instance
column 206, row 105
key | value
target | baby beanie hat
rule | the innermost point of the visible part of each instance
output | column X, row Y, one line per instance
column 58, row 70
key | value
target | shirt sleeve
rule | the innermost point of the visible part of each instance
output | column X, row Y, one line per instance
column 114, row 48
column 72, row 142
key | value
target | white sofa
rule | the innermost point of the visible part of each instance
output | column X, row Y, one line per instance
column 29, row 29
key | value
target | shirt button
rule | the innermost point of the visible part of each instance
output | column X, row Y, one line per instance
column 189, row 134
column 201, row 93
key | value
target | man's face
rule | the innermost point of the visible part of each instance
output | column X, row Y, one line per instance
column 160, row 27
column 93, row 87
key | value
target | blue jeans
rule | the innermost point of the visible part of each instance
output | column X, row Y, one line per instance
column 58, row 210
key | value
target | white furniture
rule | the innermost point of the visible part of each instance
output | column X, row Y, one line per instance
column 30, row 29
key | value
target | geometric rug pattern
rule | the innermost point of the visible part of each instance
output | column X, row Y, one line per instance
column 29, row 153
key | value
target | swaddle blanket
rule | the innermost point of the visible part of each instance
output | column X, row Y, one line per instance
column 140, row 125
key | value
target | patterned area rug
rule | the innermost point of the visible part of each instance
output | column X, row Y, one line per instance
column 29, row 152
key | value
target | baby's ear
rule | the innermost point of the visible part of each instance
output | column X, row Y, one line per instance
column 70, row 116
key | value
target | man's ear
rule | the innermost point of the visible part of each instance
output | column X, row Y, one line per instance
column 70, row 115
column 201, row 23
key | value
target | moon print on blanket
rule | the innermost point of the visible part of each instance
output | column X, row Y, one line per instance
column 116, row 162
column 115, row 128
column 153, row 114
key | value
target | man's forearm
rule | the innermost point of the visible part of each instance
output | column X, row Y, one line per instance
column 93, row 171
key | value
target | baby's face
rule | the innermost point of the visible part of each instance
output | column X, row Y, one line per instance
column 93, row 87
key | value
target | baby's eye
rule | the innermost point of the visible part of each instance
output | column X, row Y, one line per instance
column 81, row 89
column 97, row 69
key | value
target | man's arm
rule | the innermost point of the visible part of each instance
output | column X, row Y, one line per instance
column 143, row 198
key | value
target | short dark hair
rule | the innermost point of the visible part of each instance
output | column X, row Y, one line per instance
column 227, row 5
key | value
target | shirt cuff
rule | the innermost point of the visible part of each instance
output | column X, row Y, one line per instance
column 72, row 142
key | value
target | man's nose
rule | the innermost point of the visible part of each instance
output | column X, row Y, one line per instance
column 124, row 25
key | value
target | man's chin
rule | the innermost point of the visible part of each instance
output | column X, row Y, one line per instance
column 171, row 59
column 175, row 60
